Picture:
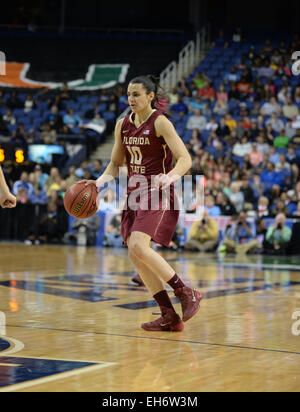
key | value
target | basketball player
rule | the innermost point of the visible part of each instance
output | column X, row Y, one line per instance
column 146, row 139
column 7, row 200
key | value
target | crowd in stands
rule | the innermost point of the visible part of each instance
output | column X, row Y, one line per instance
column 49, row 116
column 238, row 114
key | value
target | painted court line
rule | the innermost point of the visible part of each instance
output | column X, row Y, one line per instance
column 161, row 339
column 55, row 377
column 18, row 346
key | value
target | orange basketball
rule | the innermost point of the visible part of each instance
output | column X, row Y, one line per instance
column 81, row 201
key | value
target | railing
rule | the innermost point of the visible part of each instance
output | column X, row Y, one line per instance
column 188, row 60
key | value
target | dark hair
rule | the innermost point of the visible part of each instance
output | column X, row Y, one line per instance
column 150, row 84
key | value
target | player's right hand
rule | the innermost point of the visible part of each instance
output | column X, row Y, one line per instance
column 92, row 182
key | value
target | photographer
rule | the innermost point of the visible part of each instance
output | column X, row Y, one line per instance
column 204, row 235
column 85, row 231
column 278, row 236
column 239, row 237
column 112, row 237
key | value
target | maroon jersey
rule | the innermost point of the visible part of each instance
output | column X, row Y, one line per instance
column 146, row 154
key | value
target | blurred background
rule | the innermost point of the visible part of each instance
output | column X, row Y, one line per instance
column 226, row 70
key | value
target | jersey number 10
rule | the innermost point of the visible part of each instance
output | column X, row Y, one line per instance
column 136, row 155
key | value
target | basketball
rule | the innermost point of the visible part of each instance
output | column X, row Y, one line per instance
column 81, row 201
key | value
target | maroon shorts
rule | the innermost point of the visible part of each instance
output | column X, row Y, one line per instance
column 159, row 224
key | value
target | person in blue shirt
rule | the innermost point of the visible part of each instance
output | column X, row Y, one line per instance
column 72, row 120
column 179, row 107
column 269, row 177
column 23, row 183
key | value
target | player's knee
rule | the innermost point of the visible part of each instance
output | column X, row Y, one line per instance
column 136, row 249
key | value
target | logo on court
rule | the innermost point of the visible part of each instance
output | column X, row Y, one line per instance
column 296, row 65
column 296, row 325
column 2, row 64
column 2, row 324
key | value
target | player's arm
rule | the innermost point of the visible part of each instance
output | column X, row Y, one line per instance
column 183, row 159
column 116, row 161
column 7, row 200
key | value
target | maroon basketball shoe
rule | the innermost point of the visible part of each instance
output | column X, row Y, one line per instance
column 190, row 302
column 138, row 280
column 168, row 322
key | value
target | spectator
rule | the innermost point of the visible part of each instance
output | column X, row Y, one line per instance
column 279, row 208
column 230, row 122
column 211, row 207
column 222, row 94
column 54, row 119
column 297, row 212
column 281, row 141
column 239, row 236
column 9, row 119
column 28, row 104
column 14, row 102
column 179, row 107
column 296, row 139
column 290, row 132
column 207, row 92
column 196, row 121
column 221, row 107
column 256, row 157
column 112, row 235
column 278, row 236
column 223, row 130
column 236, row 197
column 263, row 207
column 72, row 178
column 54, row 173
column 48, row 135
column 290, row 110
column 212, row 125
column 204, row 234
column 22, row 196
column 271, row 107
column 241, row 148
column 261, row 144
column 85, row 231
column 195, row 104
column 225, row 205
column 23, row 183
column 49, row 228
column 200, row 80
column 269, row 177
column 282, row 164
column 248, row 192
column 72, row 120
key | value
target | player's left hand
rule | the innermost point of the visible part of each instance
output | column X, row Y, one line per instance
column 163, row 181
column 8, row 201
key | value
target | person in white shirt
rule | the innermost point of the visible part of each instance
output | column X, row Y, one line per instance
column 271, row 107
column 196, row 121
column 276, row 124
column 290, row 110
column 211, row 125
column 242, row 148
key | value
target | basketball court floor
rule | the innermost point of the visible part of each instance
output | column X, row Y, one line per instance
column 70, row 321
